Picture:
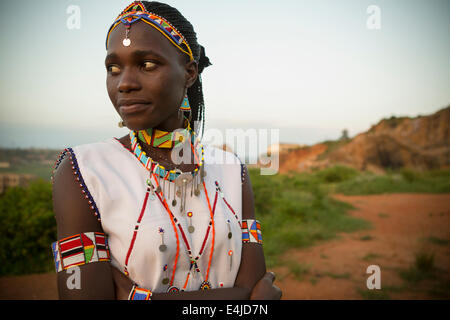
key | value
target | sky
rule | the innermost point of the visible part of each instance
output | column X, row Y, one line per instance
column 307, row 68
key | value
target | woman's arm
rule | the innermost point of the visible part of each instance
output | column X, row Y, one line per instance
column 253, row 263
column 123, row 287
column 252, row 271
column 73, row 216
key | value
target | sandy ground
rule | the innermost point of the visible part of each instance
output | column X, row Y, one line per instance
column 402, row 225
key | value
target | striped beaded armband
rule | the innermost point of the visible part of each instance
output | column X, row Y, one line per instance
column 251, row 231
column 137, row 293
column 80, row 249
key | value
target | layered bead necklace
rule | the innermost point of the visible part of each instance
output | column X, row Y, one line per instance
column 157, row 189
column 181, row 179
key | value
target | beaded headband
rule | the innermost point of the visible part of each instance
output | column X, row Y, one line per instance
column 135, row 12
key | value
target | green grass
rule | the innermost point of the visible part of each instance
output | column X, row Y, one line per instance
column 345, row 275
column 441, row 290
column 336, row 174
column 298, row 270
column 374, row 294
column 398, row 181
column 371, row 256
column 296, row 211
column 438, row 241
column 422, row 269
column 381, row 294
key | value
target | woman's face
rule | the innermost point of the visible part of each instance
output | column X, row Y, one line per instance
column 147, row 80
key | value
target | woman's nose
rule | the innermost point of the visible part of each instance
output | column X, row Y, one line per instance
column 128, row 81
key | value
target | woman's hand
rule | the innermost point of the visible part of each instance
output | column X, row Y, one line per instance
column 265, row 289
column 122, row 284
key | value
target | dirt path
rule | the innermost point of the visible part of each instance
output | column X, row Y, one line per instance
column 402, row 226
column 29, row 287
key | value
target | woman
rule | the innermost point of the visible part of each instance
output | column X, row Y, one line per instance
column 156, row 227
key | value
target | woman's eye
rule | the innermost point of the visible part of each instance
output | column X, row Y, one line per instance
column 113, row 69
column 148, row 65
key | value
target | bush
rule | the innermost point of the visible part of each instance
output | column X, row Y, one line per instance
column 409, row 175
column 27, row 230
column 336, row 174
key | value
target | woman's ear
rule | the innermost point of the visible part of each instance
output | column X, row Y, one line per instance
column 191, row 73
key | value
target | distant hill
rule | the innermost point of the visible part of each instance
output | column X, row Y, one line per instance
column 422, row 142
column 26, row 162
column 20, row 156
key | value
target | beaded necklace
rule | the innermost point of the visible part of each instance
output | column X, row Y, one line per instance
column 177, row 176
column 181, row 178
column 206, row 285
column 163, row 139
column 193, row 261
column 136, row 229
column 160, row 170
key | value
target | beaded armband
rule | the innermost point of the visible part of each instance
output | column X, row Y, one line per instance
column 80, row 249
column 251, row 231
column 137, row 293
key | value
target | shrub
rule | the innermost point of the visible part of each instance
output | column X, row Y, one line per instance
column 28, row 227
column 409, row 175
column 336, row 174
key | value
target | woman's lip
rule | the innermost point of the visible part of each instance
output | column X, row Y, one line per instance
column 133, row 108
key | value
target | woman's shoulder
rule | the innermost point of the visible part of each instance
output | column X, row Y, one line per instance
column 99, row 146
column 91, row 153
column 73, row 172
column 220, row 155
column 225, row 161
column 98, row 152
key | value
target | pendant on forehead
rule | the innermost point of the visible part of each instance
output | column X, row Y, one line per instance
column 126, row 42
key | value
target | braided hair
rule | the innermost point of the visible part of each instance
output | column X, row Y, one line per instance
column 195, row 92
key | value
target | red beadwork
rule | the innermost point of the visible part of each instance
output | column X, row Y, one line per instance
column 130, row 248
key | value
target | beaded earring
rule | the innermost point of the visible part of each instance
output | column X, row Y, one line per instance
column 185, row 107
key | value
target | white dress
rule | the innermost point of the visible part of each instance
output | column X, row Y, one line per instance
column 116, row 181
